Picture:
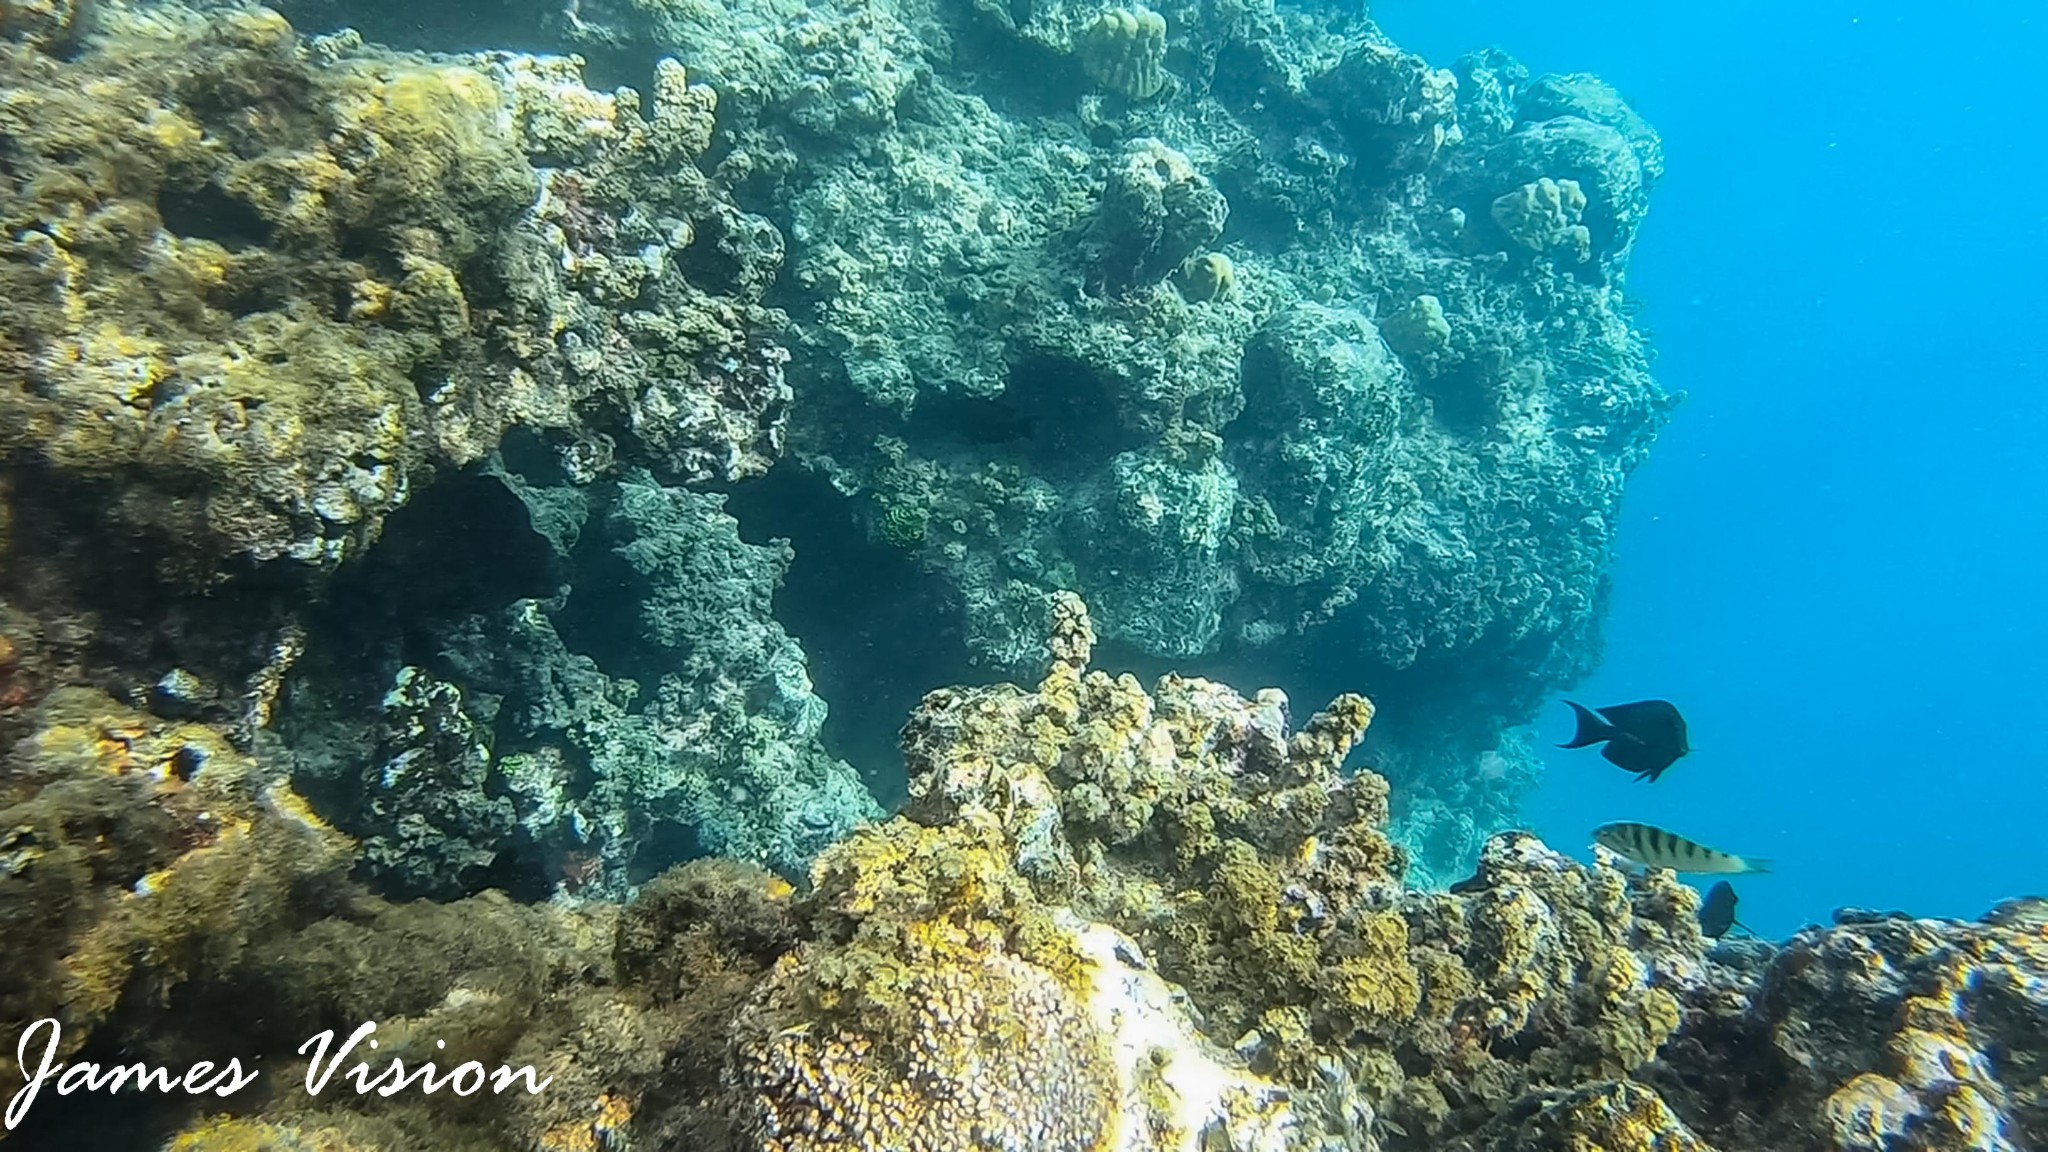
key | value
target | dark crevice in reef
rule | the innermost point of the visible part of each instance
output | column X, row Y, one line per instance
column 1017, row 78
column 1056, row 417
column 464, row 545
column 601, row 618
column 439, row 26
column 878, row 631
column 207, row 213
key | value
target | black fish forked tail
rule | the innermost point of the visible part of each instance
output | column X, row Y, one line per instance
column 1592, row 729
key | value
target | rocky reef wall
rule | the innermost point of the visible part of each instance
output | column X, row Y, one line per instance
column 1284, row 347
column 275, row 306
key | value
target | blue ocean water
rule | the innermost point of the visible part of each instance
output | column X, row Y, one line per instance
column 1835, row 560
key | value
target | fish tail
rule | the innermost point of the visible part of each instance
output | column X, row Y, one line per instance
column 1591, row 730
column 1758, row 863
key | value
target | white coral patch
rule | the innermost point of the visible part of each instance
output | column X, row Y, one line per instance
column 1164, row 1065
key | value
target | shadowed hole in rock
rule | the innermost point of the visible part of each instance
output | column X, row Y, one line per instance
column 464, row 544
column 441, row 26
column 602, row 617
column 1055, row 418
column 878, row 631
column 665, row 845
column 207, row 213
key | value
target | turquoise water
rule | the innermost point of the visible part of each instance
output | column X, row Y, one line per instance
column 1833, row 560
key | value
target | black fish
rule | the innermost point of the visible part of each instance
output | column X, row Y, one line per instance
column 1645, row 737
column 1717, row 913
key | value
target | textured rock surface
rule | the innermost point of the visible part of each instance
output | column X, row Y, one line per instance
column 1109, row 919
column 270, row 297
column 1880, row 1031
column 1050, row 269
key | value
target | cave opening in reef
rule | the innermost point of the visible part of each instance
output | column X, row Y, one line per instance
column 879, row 631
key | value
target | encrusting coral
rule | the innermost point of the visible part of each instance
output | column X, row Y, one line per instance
column 1543, row 216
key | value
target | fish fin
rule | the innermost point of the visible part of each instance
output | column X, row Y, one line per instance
column 1591, row 728
column 1759, row 863
column 1641, row 711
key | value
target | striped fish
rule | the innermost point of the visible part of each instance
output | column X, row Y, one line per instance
column 1656, row 848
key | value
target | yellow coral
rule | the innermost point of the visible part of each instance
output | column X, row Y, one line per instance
column 1124, row 49
column 216, row 850
column 1210, row 276
column 1376, row 988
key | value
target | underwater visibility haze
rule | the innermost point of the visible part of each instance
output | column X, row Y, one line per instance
column 1832, row 558
column 1006, row 576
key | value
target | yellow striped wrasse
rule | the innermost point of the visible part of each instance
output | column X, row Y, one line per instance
column 1656, row 848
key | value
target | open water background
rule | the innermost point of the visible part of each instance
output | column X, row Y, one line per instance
column 1836, row 561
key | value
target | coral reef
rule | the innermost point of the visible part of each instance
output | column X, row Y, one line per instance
column 272, row 296
column 1157, row 212
column 1880, row 1031
column 1041, row 260
column 1108, row 919
column 433, row 823
column 378, row 639
column 1260, row 879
